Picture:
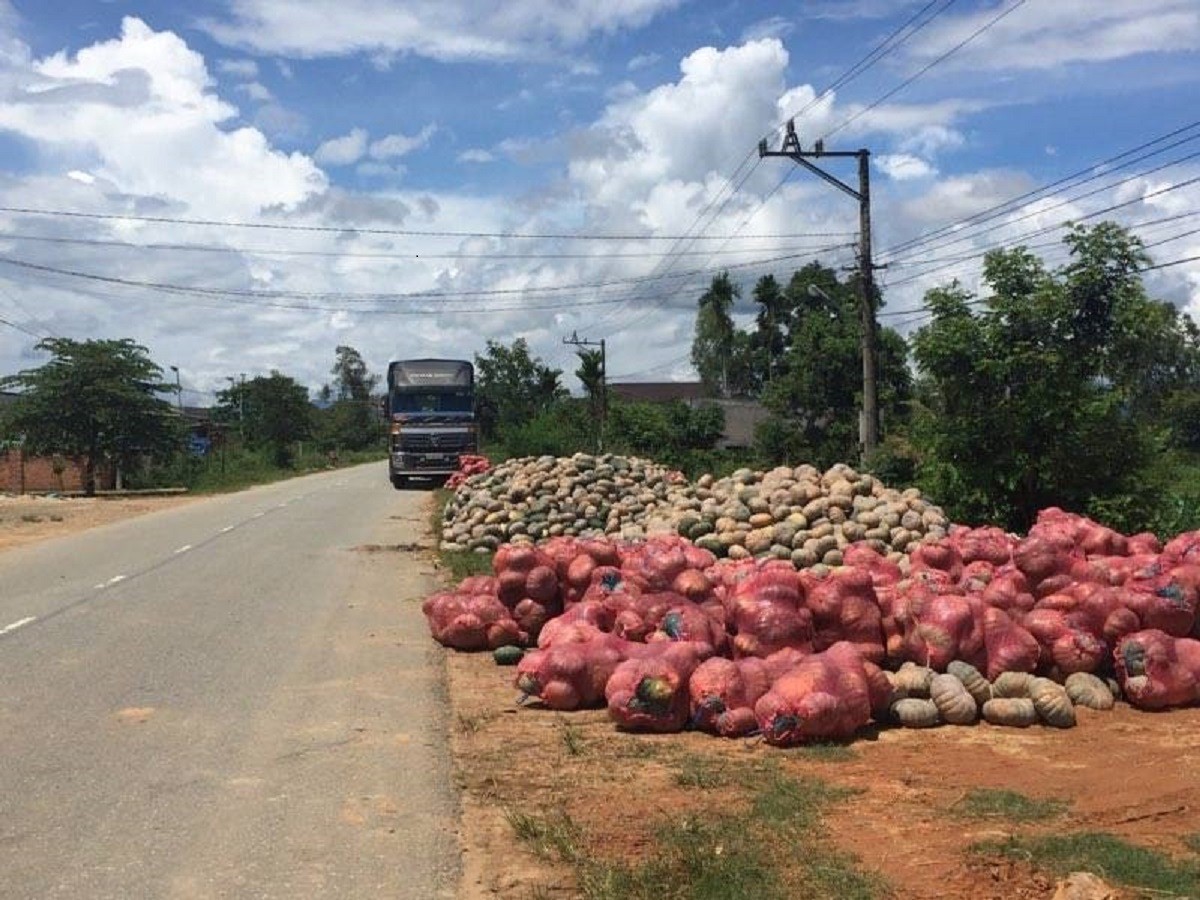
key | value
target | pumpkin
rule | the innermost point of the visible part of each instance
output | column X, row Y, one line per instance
column 1011, row 684
column 911, row 680
column 507, row 655
column 977, row 686
column 913, row 712
column 1015, row 712
column 1086, row 689
column 1053, row 705
column 953, row 701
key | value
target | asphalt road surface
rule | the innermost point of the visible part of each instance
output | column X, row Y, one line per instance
column 232, row 698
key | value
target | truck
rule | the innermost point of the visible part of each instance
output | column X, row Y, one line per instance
column 430, row 407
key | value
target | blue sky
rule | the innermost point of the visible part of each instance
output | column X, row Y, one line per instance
column 629, row 117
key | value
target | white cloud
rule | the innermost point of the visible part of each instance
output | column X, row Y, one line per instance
column 246, row 69
column 138, row 111
column 343, row 151
column 476, row 155
column 904, row 166
column 396, row 145
column 81, row 177
column 774, row 27
column 440, row 29
column 642, row 61
column 256, row 90
column 1048, row 35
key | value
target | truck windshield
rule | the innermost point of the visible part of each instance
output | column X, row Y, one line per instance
column 405, row 402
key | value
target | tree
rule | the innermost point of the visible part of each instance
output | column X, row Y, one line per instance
column 351, row 418
column 512, row 387
column 713, row 344
column 1048, row 391
column 95, row 401
column 816, row 394
column 591, row 375
column 770, row 339
column 273, row 412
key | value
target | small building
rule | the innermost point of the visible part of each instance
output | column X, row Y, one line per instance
column 742, row 417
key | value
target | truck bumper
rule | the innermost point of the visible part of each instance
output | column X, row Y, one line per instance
column 423, row 463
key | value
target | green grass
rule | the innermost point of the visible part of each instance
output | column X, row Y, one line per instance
column 824, row 752
column 1106, row 855
column 988, row 803
column 1192, row 841
column 572, row 739
column 770, row 851
column 702, row 773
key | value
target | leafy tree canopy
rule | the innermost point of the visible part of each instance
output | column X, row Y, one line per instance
column 95, row 400
column 1050, row 389
column 271, row 411
column 512, row 387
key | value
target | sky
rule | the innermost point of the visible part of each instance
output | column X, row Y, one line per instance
column 241, row 186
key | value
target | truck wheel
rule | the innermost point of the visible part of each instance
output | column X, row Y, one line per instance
column 399, row 482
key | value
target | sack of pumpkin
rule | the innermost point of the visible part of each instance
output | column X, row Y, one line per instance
column 650, row 692
column 1158, row 671
column 826, row 696
column 722, row 694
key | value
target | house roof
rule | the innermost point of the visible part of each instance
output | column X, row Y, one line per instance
column 658, row 391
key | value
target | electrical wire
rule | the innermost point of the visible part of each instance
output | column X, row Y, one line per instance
column 920, row 72
column 348, row 229
column 1092, row 169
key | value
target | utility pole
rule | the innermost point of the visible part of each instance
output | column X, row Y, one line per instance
column 178, row 389
column 576, row 341
column 869, row 427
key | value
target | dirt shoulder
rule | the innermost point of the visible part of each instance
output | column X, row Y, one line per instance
column 28, row 518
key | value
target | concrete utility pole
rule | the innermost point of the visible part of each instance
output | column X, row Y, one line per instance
column 178, row 389
column 577, row 341
column 869, row 427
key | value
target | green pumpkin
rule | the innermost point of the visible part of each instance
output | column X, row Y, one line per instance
column 507, row 656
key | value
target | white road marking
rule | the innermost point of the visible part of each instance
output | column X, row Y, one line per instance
column 116, row 579
column 184, row 549
column 17, row 624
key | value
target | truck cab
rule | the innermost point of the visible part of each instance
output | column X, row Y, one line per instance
column 431, row 417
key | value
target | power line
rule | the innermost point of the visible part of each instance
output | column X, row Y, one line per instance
column 379, row 296
column 349, row 229
column 27, row 331
column 902, row 85
column 1097, row 169
column 336, row 254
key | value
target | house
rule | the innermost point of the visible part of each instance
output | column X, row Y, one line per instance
column 742, row 417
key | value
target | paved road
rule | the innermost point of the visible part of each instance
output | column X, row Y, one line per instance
column 232, row 698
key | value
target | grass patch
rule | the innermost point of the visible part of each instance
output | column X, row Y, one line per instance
column 701, row 773
column 987, row 803
column 572, row 739
column 824, row 752
column 717, row 856
column 548, row 836
column 1192, row 841
column 1108, row 856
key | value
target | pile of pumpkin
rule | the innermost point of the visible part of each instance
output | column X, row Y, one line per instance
column 801, row 514
column 668, row 636
column 535, row 498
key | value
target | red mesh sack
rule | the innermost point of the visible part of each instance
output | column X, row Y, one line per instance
column 763, row 627
column 650, row 693
column 845, row 607
column 991, row 545
column 690, row 622
column 470, row 621
column 653, row 566
column 1157, row 671
column 570, row 676
column 722, row 694
column 940, row 626
column 825, row 697
column 1010, row 648
column 941, row 555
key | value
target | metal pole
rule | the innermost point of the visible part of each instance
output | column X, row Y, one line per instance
column 603, row 393
column 178, row 389
column 866, row 292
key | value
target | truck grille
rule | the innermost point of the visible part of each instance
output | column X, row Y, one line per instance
column 435, row 441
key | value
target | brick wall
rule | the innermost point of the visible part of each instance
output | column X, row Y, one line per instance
column 22, row 474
